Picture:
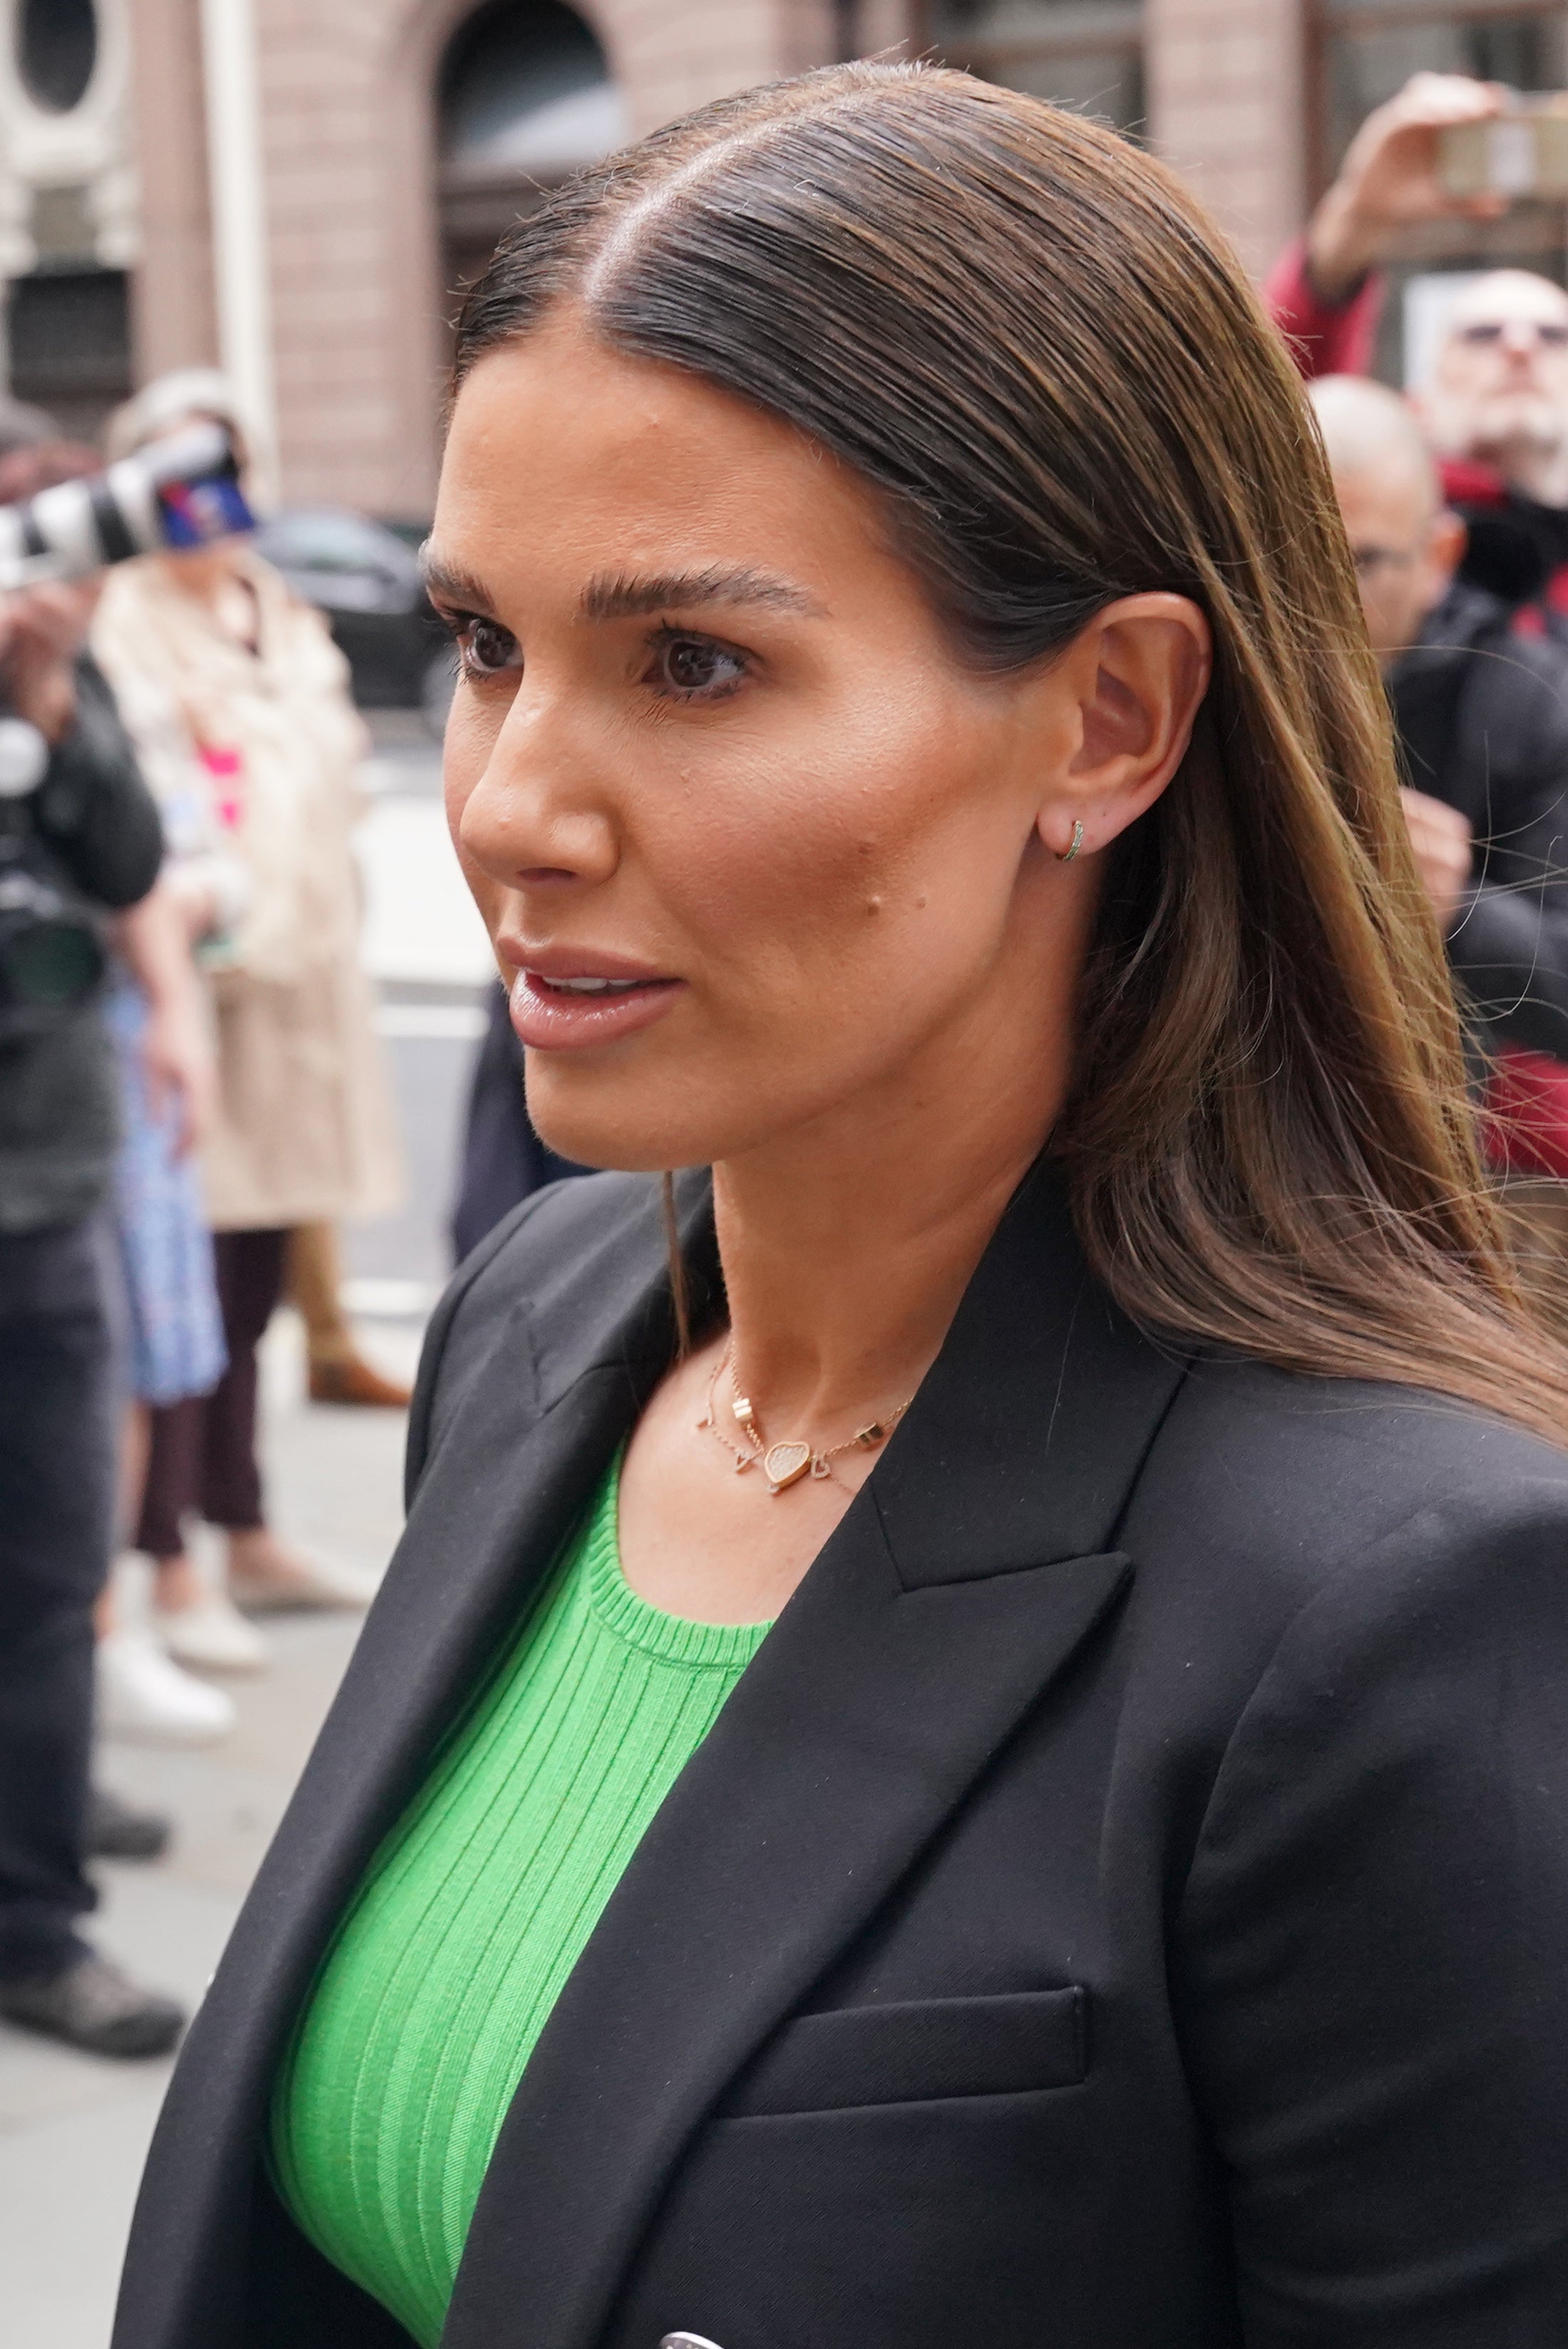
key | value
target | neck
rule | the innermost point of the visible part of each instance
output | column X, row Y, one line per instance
column 847, row 1247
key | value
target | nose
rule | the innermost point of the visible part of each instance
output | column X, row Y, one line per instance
column 534, row 815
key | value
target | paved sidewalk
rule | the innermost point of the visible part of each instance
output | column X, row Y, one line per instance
column 73, row 2130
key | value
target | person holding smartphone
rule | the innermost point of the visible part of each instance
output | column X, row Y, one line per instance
column 1494, row 404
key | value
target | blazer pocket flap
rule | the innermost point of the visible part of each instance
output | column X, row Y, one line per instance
column 918, row 2049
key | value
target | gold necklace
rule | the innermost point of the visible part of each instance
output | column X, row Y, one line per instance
column 784, row 1465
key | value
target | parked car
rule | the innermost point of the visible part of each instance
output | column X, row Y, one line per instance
column 364, row 577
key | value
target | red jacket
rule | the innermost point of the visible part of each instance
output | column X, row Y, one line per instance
column 1326, row 337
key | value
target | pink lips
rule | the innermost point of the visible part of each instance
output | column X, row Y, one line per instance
column 566, row 1002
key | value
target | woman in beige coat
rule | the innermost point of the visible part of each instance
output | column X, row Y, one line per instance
column 234, row 693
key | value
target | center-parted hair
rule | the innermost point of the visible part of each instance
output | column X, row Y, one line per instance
column 1023, row 332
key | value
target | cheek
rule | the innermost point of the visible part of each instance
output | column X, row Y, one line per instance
column 806, row 880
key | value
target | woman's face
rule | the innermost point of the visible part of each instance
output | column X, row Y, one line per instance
column 757, row 854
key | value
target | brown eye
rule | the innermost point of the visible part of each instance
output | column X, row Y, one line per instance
column 696, row 665
column 488, row 648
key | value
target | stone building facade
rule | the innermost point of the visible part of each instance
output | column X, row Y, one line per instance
column 298, row 189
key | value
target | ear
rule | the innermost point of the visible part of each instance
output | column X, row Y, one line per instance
column 1137, row 673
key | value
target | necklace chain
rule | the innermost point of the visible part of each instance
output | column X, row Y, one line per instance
column 784, row 1464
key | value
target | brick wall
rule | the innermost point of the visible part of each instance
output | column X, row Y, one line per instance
column 348, row 139
column 670, row 55
column 356, row 299
column 173, row 324
column 1227, row 107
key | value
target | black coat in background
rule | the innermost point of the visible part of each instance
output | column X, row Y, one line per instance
column 1483, row 719
column 99, row 827
column 1123, row 1904
column 504, row 1161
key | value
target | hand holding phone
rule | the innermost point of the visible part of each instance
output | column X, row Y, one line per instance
column 1392, row 177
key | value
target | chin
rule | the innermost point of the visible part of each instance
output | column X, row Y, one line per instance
column 612, row 1126
column 1526, row 422
column 641, row 1127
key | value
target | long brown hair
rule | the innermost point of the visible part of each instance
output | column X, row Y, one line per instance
column 1026, row 336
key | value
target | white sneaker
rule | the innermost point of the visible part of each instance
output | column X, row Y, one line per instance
column 142, row 1697
column 212, row 1635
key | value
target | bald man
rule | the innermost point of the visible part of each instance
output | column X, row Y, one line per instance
column 1483, row 717
column 1482, row 720
column 1496, row 403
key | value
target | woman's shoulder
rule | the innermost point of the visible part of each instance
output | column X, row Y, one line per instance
column 1289, row 1487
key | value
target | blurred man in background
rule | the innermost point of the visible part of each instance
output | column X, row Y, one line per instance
column 1483, row 722
column 79, row 837
column 1495, row 408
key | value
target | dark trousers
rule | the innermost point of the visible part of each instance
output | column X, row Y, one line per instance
column 203, row 1456
column 57, row 1525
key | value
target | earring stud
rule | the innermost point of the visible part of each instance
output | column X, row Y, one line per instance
column 1065, row 855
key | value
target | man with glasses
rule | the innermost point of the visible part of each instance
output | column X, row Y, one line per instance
column 1496, row 404
column 1483, row 719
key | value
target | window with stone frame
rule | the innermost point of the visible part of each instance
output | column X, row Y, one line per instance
column 1085, row 53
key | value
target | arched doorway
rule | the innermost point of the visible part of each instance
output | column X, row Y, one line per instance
column 525, row 97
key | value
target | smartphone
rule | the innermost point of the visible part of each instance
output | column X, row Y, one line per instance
column 1522, row 152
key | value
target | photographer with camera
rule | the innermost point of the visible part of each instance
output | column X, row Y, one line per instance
column 79, row 840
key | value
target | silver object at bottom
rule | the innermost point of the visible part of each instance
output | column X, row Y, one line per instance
column 687, row 2341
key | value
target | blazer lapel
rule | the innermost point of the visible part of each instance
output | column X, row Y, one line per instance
column 543, row 1413
column 962, row 1579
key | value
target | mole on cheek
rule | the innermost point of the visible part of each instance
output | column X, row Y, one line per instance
column 873, row 904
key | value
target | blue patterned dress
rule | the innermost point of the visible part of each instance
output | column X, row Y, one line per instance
column 175, row 1329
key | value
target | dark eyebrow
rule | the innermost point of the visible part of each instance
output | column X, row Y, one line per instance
column 451, row 584
column 623, row 597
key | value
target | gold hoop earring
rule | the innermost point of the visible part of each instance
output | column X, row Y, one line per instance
column 1065, row 855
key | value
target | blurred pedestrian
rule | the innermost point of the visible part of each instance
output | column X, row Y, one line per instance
column 175, row 1338
column 81, row 839
column 966, row 1739
column 173, row 1345
column 232, row 687
column 1483, row 719
column 1495, row 402
column 335, row 1369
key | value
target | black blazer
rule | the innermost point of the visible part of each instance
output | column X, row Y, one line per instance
column 1123, row 1905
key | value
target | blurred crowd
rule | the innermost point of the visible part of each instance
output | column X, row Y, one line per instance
column 192, row 1097
column 185, row 1122
column 1455, row 499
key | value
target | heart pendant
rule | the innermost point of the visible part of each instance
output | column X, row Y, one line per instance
column 785, row 1464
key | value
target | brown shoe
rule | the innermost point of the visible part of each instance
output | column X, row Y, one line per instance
column 355, row 1381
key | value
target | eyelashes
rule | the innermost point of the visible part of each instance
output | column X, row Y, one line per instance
column 683, row 664
column 470, row 631
column 689, row 668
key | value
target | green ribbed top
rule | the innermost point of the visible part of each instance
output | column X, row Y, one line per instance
column 473, row 1912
